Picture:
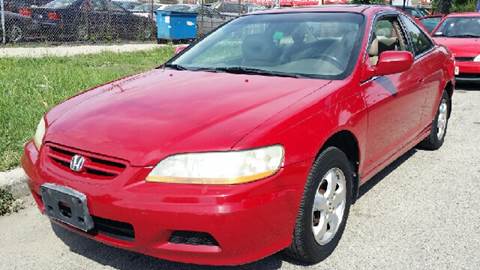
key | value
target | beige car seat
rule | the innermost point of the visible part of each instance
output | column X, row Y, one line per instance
column 384, row 41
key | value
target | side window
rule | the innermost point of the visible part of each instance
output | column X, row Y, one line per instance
column 386, row 35
column 115, row 7
column 98, row 5
column 415, row 13
column 420, row 42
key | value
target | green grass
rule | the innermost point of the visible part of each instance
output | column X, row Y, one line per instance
column 29, row 87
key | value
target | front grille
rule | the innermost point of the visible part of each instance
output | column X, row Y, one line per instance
column 115, row 229
column 192, row 238
column 468, row 76
column 464, row 59
column 95, row 166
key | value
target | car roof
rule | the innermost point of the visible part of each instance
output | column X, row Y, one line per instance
column 405, row 7
column 464, row 14
column 365, row 9
column 431, row 16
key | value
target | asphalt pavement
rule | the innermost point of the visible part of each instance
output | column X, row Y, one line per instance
column 422, row 212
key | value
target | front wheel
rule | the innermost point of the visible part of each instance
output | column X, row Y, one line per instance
column 324, row 209
column 439, row 125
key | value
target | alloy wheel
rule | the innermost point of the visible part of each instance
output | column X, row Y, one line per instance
column 16, row 33
column 329, row 206
column 442, row 119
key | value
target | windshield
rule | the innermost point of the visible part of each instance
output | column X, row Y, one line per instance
column 430, row 23
column 319, row 45
column 59, row 3
column 459, row 27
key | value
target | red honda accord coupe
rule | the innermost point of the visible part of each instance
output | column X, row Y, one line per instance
column 253, row 140
column 460, row 33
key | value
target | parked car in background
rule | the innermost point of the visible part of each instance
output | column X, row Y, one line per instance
column 91, row 19
column 233, row 8
column 147, row 8
column 430, row 22
column 416, row 12
column 253, row 140
column 460, row 33
column 17, row 5
column 17, row 27
column 127, row 4
column 181, row 8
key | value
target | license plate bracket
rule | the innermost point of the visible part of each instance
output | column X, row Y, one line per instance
column 66, row 205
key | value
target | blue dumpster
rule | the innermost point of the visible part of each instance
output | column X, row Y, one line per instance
column 174, row 25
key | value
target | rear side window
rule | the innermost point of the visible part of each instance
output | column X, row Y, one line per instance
column 420, row 42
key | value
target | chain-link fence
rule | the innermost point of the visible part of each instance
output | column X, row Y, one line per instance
column 118, row 20
column 130, row 20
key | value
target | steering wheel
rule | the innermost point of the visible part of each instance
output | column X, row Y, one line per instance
column 332, row 59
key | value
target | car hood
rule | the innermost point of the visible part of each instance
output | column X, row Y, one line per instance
column 462, row 47
column 150, row 116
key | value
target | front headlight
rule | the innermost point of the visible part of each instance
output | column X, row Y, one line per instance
column 476, row 59
column 233, row 167
column 39, row 134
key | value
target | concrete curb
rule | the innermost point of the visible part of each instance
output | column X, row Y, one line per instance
column 15, row 181
column 36, row 52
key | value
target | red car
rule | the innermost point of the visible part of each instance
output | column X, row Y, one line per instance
column 430, row 22
column 253, row 140
column 460, row 33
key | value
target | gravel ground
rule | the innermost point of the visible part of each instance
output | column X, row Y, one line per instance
column 73, row 50
column 422, row 212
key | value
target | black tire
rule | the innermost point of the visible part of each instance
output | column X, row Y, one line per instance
column 15, row 33
column 434, row 141
column 304, row 247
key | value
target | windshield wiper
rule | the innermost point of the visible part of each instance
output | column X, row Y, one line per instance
column 256, row 71
column 239, row 70
column 175, row 66
column 465, row 36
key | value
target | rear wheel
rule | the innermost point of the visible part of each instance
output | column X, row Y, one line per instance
column 16, row 33
column 439, row 125
column 324, row 209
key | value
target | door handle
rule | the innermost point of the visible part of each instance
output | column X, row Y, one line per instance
column 420, row 79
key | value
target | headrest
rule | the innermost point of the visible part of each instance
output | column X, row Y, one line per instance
column 257, row 47
column 383, row 32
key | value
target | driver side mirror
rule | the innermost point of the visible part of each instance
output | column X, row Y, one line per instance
column 180, row 48
column 391, row 62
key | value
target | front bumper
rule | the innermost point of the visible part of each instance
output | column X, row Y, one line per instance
column 248, row 221
column 467, row 71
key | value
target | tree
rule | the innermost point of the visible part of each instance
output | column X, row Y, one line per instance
column 444, row 6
